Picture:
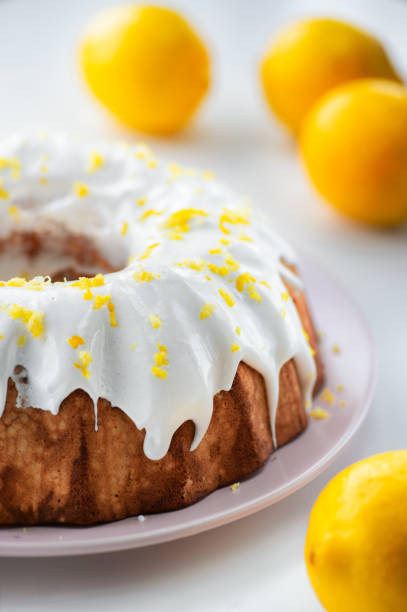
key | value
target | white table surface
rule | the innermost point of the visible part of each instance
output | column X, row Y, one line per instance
column 255, row 563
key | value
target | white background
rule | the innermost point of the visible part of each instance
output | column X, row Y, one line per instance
column 256, row 563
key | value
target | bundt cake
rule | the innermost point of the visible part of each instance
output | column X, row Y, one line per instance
column 155, row 340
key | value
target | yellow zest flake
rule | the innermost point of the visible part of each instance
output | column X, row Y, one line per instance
column 141, row 201
column 306, row 336
column 232, row 263
column 85, row 360
column 150, row 213
column 285, row 296
column 125, row 228
column 155, row 321
column 96, row 161
column 88, row 295
column 265, row 283
column 235, row 347
column 224, row 241
column 112, row 312
column 194, row 264
column 143, row 276
column 235, row 486
column 339, row 388
column 159, row 372
column 343, row 403
column 234, row 217
column 21, row 341
column 230, row 301
column 33, row 319
column 244, row 237
column 4, row 195
column 319, row 414
column 238, row 330
column 80, row 189
column 178, row 221
column 14, row 212
column 160, row 360
column 243, row 280
column 133, row 346
column 208, row 175
column 176, row 171
column 283, row 313
column 1, row 337
column 152, row 163
column 35, row 284
column 148, row 250
column 216, row 251
column 43, row 180
column 13, row 164
column 208, row 277
column 308, row 403
column 336, row 349
column 101, row 300
column 221, row 270
column 44, row 168
column 328, row 396
column 207, row 311
column 76, row 341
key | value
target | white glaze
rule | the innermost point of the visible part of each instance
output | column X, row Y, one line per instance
column 200, row 359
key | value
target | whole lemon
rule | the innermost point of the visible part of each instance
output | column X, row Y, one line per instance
column 354, row 145
column 146, row 65
column 310, row 57
column 356, row 545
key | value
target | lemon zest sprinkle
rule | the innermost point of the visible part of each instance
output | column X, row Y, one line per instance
column 319, row 414
column 112, row 313
column 14, row 211
column 178, row 222
column 243, row 280
column 143, row 276
column 96, row 161
column 80, row 189
column 101, row 300
column 76, row 341
column 148, row 250
column 125, row 228
column 155, row 321
column 235, row 347
column 159, row 372
column 4, row 195
column 207, row 311
column 150, row 213
column 85, row 360
column 233, row 217
column 229, row 299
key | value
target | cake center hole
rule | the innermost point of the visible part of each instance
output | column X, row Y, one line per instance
column 30, row 254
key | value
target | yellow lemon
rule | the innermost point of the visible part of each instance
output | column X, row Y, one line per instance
column 310, row 57
column 354, row 145
column 146, row 65
column 356, row 546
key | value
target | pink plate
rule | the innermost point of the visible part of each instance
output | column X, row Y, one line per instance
column 290, row 468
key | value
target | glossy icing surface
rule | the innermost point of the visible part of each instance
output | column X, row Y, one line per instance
column 200, row 287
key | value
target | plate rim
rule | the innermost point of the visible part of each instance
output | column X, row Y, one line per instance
column 61, row 548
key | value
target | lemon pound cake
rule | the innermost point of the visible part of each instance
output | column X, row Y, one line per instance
column 155, row 340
